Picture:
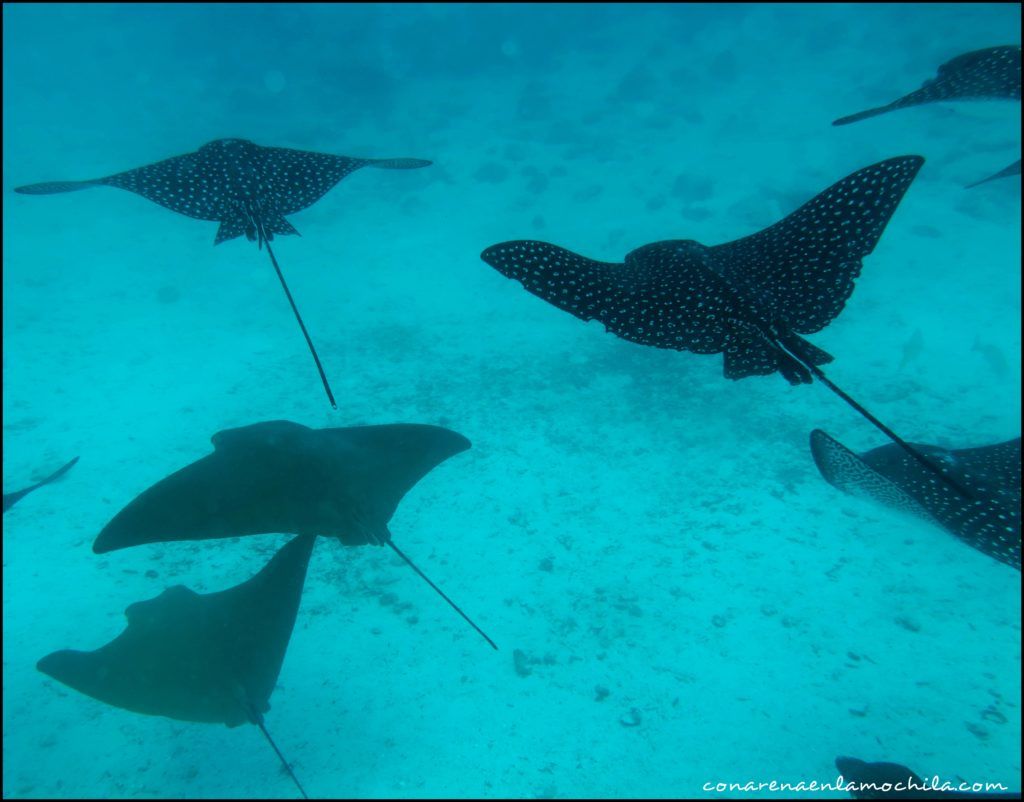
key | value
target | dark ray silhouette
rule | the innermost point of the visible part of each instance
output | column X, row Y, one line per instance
column 10, row 499
column 207, row 657
column 279, row 476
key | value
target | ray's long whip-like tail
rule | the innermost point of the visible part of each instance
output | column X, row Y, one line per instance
column 257, row 719
column 441, row 593
column 917, row 455
column 298, row 317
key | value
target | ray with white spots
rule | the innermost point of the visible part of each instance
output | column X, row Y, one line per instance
column 991, row 73
column 750, row 299
column 245, row 187
column 989, row 521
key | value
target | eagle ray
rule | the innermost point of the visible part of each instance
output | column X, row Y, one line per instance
column 247, row 188
column 749, row 299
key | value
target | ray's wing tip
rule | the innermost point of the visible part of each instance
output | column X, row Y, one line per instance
column 402, row 163
column 493, row 251
column 102, row 544
column 49, row 664
column 54, row 187
column 820, row 441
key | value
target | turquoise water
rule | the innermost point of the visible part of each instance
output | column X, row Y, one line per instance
column 689, row 601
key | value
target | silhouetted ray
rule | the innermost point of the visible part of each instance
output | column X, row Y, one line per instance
column 990, row 73
column 893, row 775
column 10, row 499
column 207, row 657
column 248, row 188
column 750, row 298
column 279, row 476
column 988, row 521
column 1006, row 172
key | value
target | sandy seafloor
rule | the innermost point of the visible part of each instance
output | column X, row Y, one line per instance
column 626, row 518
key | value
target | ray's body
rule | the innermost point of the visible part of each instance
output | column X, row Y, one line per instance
column 751, row 299
column 203, row 657
column 247, row 188
column 280, row 476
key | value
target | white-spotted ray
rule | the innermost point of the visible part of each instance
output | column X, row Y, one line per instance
column 992, row 73
column 989, row 521
column 750, row 298
column 248, row 188
column 989, row 74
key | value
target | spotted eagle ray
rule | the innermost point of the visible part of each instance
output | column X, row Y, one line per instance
column 988, row 521
column 279, row 476
column 991, row 73
column 10, row 499
column 879, row 776
column 206, row 657
column 750, row 298
column 248, row 188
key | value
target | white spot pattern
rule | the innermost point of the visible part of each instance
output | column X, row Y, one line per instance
column 236, row 182
column 981, row 74
column 989, row 523
column 746, row 298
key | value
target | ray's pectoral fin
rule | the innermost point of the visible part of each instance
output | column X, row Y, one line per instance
column 234, row 226
column 849, row 473
column 55, row 187
column 795, row 370
column 241, row 223
column 276, row 224
column 749, row 353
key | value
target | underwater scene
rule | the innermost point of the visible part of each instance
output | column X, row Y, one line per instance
column 511, row 400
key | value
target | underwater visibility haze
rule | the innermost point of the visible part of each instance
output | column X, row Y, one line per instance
column 697, row 579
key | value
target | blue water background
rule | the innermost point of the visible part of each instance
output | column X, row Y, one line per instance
column 627, row 518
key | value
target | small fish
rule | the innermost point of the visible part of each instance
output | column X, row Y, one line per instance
column 993, row 355
column 912, row 348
